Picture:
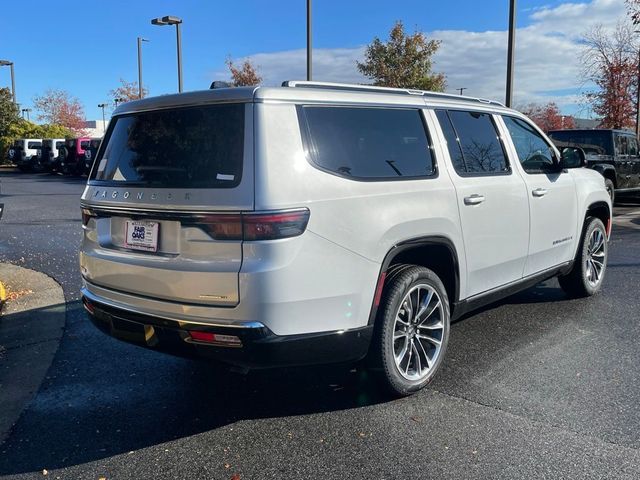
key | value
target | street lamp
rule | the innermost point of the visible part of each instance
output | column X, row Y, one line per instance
column 171, row 20
column 26, row 110
column 140, row 40
column 510, row 52
column 102, row 106
column 4, row 63
column 462, row 89
column 117, row 101
column 309, row 40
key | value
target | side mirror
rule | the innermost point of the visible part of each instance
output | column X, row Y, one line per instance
column 572, row 157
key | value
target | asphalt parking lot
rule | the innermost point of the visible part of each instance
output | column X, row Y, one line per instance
column 537, row 386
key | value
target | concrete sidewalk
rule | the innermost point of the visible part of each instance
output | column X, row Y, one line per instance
column 31, row 325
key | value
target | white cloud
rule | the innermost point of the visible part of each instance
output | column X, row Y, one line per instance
column 547, row 56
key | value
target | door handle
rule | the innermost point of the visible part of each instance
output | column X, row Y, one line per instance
column 539, row 192
column 474, row 199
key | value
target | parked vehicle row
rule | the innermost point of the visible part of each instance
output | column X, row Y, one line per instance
column 73, row 156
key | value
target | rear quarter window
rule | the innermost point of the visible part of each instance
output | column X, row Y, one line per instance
column 367, row 143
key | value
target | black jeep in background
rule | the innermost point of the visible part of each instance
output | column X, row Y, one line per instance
column 613, row 153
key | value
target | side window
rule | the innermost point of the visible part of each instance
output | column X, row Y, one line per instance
column 367, row 143
column 477, row 139
column 534, row 153
column 453, row 144
column 621, row 146
column 633, row 146
column 84, row 144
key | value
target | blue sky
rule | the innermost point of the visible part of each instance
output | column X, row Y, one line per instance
column 88, row 60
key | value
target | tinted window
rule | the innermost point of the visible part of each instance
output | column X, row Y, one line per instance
column 534, row 153
column 84, row 144
column 633, row 146
column 593, row 142
column 481, row 148
column 59, row 144
column 368, row 142
column 198, row 147
column 453, row 144
column 34, row 145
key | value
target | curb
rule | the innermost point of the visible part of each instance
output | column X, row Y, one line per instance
column 3, row 295
column 31, row 326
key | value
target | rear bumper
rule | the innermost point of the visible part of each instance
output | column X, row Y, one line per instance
column 259, row 348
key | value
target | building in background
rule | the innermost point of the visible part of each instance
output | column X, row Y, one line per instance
column 95, row 128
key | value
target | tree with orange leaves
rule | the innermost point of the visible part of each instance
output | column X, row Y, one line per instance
column 61, row 108
column 244, row 75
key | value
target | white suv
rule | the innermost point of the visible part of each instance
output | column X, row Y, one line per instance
column 316, row 223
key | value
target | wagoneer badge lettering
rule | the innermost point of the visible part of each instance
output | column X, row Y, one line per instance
column 139, row 195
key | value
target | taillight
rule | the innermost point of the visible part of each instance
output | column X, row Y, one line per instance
column 273, row 225
column 86, row 216
column 255, row 226
column 222, row 227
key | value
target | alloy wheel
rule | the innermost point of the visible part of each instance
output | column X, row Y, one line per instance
column 418, row 332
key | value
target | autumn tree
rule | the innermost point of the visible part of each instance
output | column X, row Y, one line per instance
column 610, row 61
column 404, row 61
column 243, row 75
column 61, row 108
column 547, row 116
column 633, row 8
column 127, row 91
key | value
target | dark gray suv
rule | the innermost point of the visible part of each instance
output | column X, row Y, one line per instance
column 613, row 153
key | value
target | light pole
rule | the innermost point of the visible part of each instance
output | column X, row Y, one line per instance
column 309, row 57
column 117, row 101
column 4, row 63
column 26, row 110
column 171, row 20
column 462, row 89
column 511, row 52
column 140, row 40
column 638, row 99
column 102, row 105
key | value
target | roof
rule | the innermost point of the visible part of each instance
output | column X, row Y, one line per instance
column 312, row 92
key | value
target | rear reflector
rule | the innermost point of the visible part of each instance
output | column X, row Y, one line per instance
column 215, row 338
column 379, row 288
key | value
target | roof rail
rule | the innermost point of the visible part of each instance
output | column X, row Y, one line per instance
column 396, row 91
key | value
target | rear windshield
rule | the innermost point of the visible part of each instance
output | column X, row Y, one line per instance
column 593, row 142
column 195, row 147
column 59, row 144
column 34, row 145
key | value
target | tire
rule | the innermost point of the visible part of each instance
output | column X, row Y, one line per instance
column 396, row 330
column 585, row 279
column 611, row 189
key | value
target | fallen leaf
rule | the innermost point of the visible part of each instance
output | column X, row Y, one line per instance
column 226, row 465
column 235, row 476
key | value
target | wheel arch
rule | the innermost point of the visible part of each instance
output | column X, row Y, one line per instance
column 607, row 171
column 599, row 210
column 438, row 253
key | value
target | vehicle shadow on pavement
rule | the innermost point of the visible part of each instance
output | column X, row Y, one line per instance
column 123, row 398
column 103, row 398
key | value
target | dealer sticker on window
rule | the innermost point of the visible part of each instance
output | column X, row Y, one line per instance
column 141, row 235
